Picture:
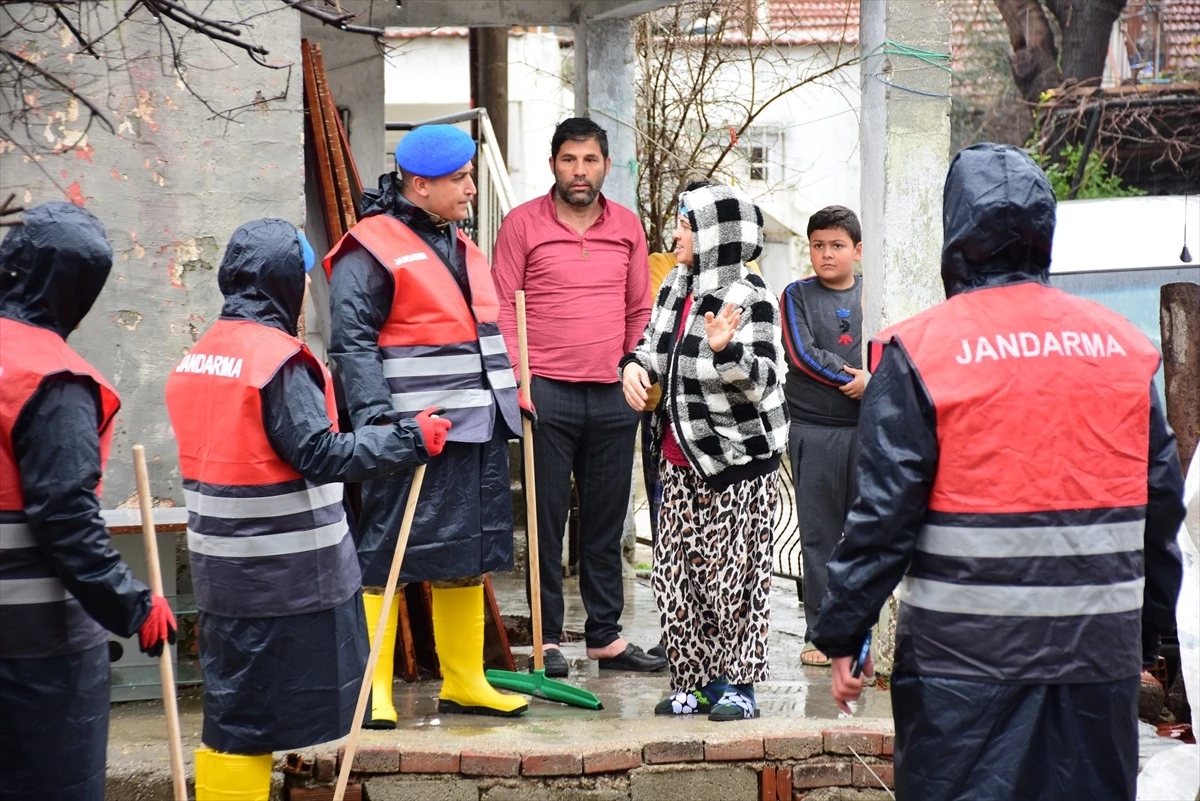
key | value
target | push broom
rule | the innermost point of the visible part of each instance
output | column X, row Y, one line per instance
column 535, row 683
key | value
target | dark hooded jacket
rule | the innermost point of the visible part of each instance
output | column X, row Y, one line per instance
column 52, row 269
column 463, row 525
column 262, row 279
column 54, row 711
column 1009, row 740
column 255, row 668
column 727, row 409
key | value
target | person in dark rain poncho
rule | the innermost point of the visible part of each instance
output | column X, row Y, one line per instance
column 1018, row 480
column 281, row 633
column 62, row 586
column 413, row 323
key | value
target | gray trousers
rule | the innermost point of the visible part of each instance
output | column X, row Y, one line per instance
column 823, row 476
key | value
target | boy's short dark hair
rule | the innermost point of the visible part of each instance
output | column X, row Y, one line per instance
column 578, row 129
column 836, row 217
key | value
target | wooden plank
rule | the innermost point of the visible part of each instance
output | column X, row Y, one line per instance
column 496, row 651
column 404, row 635
column 341, row 181
column 316, row 139
column 356, row 185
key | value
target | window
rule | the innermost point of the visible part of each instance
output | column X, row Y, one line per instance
column 758, row 163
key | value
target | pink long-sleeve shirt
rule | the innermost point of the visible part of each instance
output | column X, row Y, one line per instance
column 587, row 298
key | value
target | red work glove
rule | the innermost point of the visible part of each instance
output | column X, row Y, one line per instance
column 159, row 627
column 527, row 409
column 433, row 430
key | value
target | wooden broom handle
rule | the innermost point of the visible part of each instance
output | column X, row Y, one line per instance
column 166, row 671
column 535, row 575
column 389, row 591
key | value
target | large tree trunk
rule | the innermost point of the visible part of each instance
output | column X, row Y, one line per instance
column 1086, row 26
column 1035, row 56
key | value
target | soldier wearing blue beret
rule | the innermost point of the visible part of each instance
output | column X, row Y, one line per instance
column 414, row 325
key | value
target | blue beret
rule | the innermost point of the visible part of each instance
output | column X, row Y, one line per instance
column 432, row 151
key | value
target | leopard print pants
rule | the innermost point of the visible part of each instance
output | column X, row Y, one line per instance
column 712, row 577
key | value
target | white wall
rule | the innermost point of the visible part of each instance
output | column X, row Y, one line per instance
column 815, row 163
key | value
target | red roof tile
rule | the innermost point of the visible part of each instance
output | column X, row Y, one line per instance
column 814, row 21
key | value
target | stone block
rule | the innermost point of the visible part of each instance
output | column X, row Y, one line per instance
column 611, row 761
column 793, row 747
column 429, row 762
column 670, row 751
column 862, row 742
column 599, row 788
column 325, row 769
column 822, row 773
column 353, row 793
column 746, row 750
column 884, row 770
column 395, row 789
column 477, row 764
column 373, row 759
column 552, row 765
column 693, row 783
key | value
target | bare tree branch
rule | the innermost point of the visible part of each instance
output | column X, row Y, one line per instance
column 17, row 58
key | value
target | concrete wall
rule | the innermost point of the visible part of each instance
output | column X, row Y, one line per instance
column 171, row 186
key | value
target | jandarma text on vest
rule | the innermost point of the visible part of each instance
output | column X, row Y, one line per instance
column 1028, row 345
column 208, row 364
column 410, row 257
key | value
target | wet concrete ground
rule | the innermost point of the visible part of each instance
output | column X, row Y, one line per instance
column 795, row 699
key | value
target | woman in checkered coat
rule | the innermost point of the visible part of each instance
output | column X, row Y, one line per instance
column 714, row 344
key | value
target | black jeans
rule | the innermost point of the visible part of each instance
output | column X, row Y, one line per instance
column 586, row 429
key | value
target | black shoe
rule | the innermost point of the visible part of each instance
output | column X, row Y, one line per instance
column 659, row 650
column 555, row 664
column 635, row 659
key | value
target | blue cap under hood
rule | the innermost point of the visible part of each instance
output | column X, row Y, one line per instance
column 262, row 275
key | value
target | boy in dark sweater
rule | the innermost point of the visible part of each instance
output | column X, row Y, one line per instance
column 822, row 336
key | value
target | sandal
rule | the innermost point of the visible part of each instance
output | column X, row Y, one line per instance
column 684, row 703
column 811, row 657
column 735, row 704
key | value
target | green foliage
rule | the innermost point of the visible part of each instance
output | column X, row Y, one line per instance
column 1098, row 181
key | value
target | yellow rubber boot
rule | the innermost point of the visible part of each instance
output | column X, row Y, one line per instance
column 232, row 777
column 382, row 714
column 458, row 635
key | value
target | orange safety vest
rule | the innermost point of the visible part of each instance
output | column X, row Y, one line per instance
column 438, row 349
column 1029, row 563
column 38, row 616
column 264, row 541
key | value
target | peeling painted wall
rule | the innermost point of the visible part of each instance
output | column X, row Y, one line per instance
column 171, row 186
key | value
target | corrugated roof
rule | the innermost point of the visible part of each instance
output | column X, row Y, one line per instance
column 814, row 21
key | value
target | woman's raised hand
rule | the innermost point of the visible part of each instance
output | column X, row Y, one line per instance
column 635, row 382
column 720, row 329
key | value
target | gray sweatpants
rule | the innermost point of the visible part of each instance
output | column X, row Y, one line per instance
column 823, row 476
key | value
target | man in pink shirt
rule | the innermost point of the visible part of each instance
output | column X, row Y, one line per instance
column 582, row 262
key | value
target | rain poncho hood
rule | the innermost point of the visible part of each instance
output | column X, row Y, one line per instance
column 998, row 219
column 262, row 275
column 53, row 267
column 727, row 232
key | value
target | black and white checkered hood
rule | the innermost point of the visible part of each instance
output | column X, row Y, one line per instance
column 728, row 409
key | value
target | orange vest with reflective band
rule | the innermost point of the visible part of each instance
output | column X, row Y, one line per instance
column 263, row 540
column 438, row 347
column 38, row 617
column 1029, row 564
